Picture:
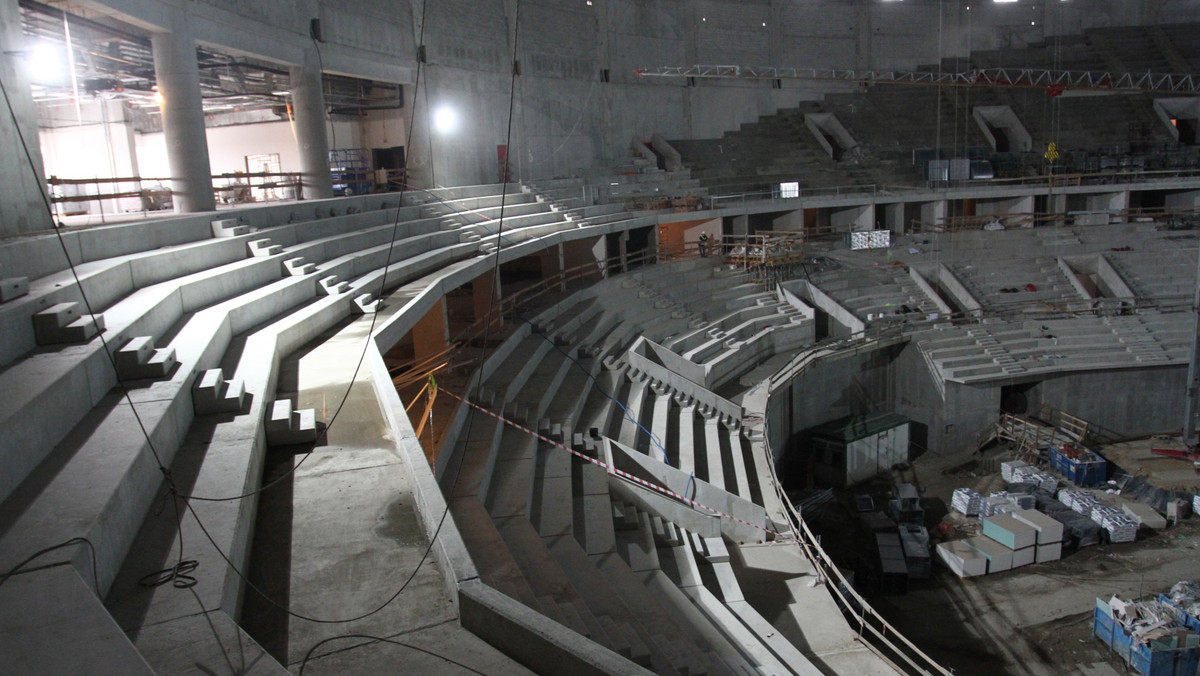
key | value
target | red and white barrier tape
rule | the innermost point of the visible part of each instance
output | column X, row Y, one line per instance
column 624, row 475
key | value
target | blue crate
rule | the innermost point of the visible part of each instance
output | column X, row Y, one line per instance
column 1181, row 617
column 1143, row 658
column 1088, row 470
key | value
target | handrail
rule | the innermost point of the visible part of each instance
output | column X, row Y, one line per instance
column 811, row 546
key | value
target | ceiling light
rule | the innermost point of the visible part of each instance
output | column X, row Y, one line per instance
column 445, row 120
column 46, row 63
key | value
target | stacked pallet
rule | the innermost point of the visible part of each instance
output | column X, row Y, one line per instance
column 1120, row 528
column 1049, row 534
column 1019, row 537
column 967, row 501
column 1008, row 469
column 1030, row 474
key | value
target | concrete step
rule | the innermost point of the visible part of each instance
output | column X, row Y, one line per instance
column 263, row 248
column 228, row 227
column 139, row 359
column 13, row 287
column 64, row 323
column 285, row 426
column 212, row 393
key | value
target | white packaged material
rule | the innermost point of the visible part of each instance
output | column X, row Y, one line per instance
column 1120, row 527
column 1024, row 557
column 1049, row 552
column 1048, row 529
column 1007, row 469
column 1144, row 515
column 999, row 557
column 1010, row 532
column 966, row 501
column 962, row 559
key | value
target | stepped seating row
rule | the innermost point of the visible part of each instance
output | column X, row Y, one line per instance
column 876, row 293
column 1157, row 274
column 528, row 505
column 1034, row 279
column 1003, row 349
column 249, row 290
column 90, row 473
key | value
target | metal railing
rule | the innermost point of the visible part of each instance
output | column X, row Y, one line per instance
column 154, row 194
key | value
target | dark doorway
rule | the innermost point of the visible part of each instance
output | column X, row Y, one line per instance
column 388, row 158
column 1018, row 399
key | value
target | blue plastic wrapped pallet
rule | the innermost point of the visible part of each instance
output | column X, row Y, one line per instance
column 1079, row 465
column 1176, row 655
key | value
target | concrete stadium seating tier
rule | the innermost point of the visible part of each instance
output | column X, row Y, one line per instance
column 77, row 464
column 658, row 372
column 620, row 565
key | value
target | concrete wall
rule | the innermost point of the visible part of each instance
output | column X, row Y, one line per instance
column 21, row 206
column 565, row 115
column 1147, row 400
column 955, row 423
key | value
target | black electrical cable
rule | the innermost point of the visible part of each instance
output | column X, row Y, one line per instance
column 20, row 567
column 308, row 655
column 166, row 472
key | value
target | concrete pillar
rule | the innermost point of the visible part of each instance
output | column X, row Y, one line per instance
column 430, row 333
column 741, row 225
column 183, row 117
column 308, row 106
column 21, row 205
column 485, row 289
column 893, row 218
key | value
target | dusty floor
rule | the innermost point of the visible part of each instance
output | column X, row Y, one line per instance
column 1033, row 620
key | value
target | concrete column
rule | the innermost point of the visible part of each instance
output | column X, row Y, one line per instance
column 485, row 289
column 308, row 106
column 21, row 205
column 430, row 333
column 741, row 225
column 183, row 117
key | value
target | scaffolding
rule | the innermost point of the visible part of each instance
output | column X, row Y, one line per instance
column 1053, row 81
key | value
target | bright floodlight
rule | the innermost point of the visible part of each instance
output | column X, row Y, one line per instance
column 46, row 63
column 445, row 120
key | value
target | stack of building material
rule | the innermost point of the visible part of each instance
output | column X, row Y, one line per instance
column 995, row 503
column 1080, row 501
column 892, row 566
column 961, row 558
column 1030, row 474
column 1007, row 469
column 1049, row 534
column 1196, row 503
column 1077, row 528
column 999, row 557
column 967, row 501
column 1120, row 527
column 1144, row 515
column 1018, row 536
column 915, row 542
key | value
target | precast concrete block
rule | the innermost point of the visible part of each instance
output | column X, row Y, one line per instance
column 63, row 323
column 13, row 287
column 139, row 359
column 211, row 393
column 228, row 227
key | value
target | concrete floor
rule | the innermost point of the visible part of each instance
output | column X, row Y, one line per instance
column 339, row 537
column 1035, row 620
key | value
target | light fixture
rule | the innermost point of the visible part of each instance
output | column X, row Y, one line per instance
column 445, row 120
column 46, row 63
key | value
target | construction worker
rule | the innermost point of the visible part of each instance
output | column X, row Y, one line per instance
column 703, row 243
